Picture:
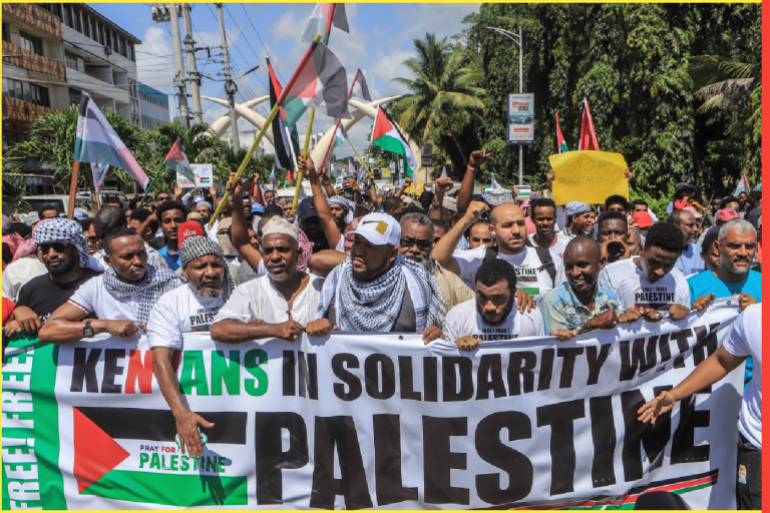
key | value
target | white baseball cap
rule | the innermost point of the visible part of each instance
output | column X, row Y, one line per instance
column 379, row 229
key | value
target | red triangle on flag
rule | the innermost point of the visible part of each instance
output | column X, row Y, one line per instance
column 176, row 152
column 96, row 453
column 382, row 125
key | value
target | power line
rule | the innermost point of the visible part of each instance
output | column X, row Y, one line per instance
column 260, row 40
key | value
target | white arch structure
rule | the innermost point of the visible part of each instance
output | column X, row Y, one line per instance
column 360, row 110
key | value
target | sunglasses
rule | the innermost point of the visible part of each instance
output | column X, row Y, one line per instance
column 421, row 243
column 479, row 239
column 162, row 198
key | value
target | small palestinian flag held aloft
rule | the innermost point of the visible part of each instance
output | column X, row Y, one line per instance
column 176, row 160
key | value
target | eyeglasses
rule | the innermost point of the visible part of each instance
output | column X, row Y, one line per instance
column 483, row 241
column 57, row 246
column 421, row 243
column 94, row 239
column 162, row 198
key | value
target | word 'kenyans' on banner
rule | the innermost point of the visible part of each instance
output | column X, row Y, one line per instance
column 361, row 421
column 588, row 176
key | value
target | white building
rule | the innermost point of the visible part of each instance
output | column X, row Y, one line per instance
column 153, row 105
column 100, row 60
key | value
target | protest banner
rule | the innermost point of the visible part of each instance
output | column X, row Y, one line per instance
column 588, row 176
column 360, row 421
column 204, row 176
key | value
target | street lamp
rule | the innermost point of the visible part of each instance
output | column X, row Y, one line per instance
column 519, row 40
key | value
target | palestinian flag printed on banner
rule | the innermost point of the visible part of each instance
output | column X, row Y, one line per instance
column 387, row 136
column 321, row 83
column 176, row 160
column 97, row 143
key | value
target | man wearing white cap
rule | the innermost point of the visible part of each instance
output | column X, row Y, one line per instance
column 376, row 289
column 279, row 304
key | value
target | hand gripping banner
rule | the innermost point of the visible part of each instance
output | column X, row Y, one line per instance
column 373, row 421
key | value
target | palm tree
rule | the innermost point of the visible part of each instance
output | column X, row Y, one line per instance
column 52, row 139
column 445, row 92
column 722, row 82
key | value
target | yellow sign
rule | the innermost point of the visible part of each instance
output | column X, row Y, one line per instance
column 411, row 189
column 588, row 176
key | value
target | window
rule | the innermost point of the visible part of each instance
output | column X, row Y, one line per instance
column 71, row 60
column 100, row 31
column 25, row 91
column 39, row 95
column 67, row 15
column 74, row 95
column 76, row 17
column 131, row 52
column 31, row 43
column 11, row 138
column 115, row 41
column 123, row 51
column 6, row 33
column 86, row 26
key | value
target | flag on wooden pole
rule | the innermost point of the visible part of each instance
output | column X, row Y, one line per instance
column 588, row 139
column 321, row 20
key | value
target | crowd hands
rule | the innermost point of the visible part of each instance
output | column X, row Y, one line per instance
column 356, row 258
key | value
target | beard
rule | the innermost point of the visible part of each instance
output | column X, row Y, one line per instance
column 61, row 270
column 205, row 293
column 506, row 312
column 418, row 258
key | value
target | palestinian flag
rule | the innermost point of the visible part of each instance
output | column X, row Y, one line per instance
column 97, row 142
column 321, row 20
column 99, row 173
column 560, row 142
column 386, row 135
column 281, row 140
column 588, row 139
column 320, row 82
column 341, row 136
column 287, row 180
column 176, row 160
column 743, row 186
column 443, row 172
column 360, row 89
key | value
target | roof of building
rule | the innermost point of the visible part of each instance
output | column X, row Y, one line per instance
column 150, row 91
column 113, row 25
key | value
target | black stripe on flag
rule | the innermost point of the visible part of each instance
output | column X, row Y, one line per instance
column 160, row 425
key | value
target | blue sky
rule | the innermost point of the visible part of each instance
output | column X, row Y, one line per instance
column 380, row 39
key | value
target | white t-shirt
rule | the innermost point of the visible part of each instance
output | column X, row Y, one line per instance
column 557, row 250
column 180, row 311
column 530, row 275
column 94, row 297
column 745, row 339
column 464, row 320
column 259, row 299
column 18, row 273
column 153, row 257
column 632, row 287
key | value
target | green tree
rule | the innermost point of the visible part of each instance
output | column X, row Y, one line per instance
column 52, row 138
column 445, row 97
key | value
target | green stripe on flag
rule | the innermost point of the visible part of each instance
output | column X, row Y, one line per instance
column 171, row 489
column 45, row 415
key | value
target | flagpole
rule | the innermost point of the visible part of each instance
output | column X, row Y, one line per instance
column 152, row 182
column 363, row 164
column 246, row 160
column 73, row 189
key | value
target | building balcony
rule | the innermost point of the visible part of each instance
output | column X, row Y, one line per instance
column 33, row 16
column 15, row 111
column 32, row 61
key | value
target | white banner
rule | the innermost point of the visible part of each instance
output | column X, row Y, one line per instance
column 382, row 421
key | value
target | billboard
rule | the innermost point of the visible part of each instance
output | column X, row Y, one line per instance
column 521, row 118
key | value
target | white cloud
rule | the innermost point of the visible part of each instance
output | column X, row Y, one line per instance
column 155, row 61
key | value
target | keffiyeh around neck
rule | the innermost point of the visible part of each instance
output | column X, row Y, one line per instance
column 373, row 306
column 155, row 283
column 66, row 231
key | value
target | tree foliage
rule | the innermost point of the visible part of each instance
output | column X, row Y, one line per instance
column 634, row 63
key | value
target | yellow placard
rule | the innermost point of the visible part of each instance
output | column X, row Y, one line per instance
column 411, row 189
column 588, row 176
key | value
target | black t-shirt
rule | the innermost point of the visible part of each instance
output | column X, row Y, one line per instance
column 44, row 295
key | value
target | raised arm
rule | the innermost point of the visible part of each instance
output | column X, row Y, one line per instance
column 465, row 196
column 238, row 229
column 444, row 248
column 437, row 210
column 322, row 207
column 327, row 183
column 322, row 262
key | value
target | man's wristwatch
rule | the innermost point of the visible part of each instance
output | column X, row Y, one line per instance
column 88, row 331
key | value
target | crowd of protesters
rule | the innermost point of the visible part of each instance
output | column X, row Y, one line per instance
column 457, row 267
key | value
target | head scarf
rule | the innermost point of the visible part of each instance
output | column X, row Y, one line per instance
column 155, row 283
column 28, row 247
column 200, row 245
column 575, row 208
column 66, row 231
column 342, row 202
column 373, row 306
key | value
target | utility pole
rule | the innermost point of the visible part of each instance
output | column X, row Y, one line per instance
column 192, row 68
column 179, row 81
column 230, row 87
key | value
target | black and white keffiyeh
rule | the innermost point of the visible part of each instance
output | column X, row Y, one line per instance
column 156, row 282
column 373, row 306
column 198, row 246
column 66, row 231
column 342, row 202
